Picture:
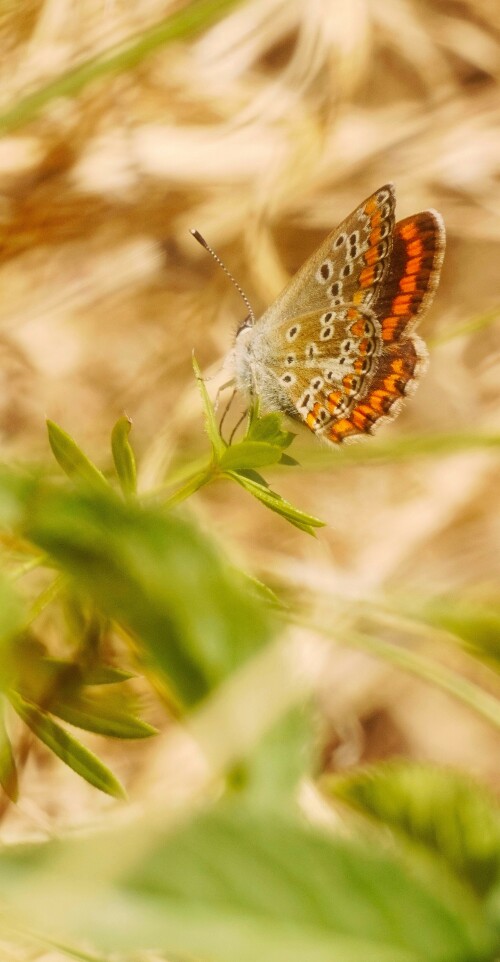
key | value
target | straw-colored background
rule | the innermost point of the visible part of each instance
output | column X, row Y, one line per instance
column 263, row 131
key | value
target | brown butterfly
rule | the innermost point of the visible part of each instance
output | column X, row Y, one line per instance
column 337, row 349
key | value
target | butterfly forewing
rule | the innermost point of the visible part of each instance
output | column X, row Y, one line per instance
column 347, row 267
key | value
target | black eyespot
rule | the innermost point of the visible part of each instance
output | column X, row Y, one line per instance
column 354, row 251
column 335, row 289
column 353, row 238
column 290, row 359
column 292, row 332
column 325, row 271
column 306, row 400
column 326, row 333
column 346, row 346
column 316, row 384
column 346, row 270
column 340, row 240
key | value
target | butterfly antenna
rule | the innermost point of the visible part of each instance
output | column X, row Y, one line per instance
column 201, row 240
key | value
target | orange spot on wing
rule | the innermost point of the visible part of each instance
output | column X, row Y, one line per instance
column 371, row 256
column 332, row 401
column 367, row 277
column 357, row 329
column 341, row 428
column 415, row 248
column 359, row 419
column 408, row 284
column 413, row 266
column 401, row 304
column 408, row 231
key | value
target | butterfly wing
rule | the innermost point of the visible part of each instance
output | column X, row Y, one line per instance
column 348, row 267
column 412, row 279
column 345, row 370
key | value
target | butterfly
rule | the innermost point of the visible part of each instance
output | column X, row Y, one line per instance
column 337, row 349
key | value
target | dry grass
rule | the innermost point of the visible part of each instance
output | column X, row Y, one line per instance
column 263, row 131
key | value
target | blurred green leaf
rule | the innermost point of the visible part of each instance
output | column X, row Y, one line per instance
column 246, row 885
column 105, row 675
column 306, row 522
column 185, row 22
column 8, row 771
column 271, row 776
column 72, row 459
column 66, row 747
column 475, row 623
column 123, row 456
column 446, row 812
column 106, row 713
column 157, row 575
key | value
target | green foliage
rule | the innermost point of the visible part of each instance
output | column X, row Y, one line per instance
column 123, row 456
column 246, row 878
column 240, row 882
column 264, row 444
column 182, row 24
column 443, row 811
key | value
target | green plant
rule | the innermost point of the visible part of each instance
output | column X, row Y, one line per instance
column 247, row 877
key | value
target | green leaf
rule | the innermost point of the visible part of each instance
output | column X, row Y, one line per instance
column 66, row 747
column 475, row 623
column 306, row 522
column 71, row 458
column 270, row 777
column 446, row 812
column 218, row 444
column 183, row 23
column 248, row 455
column 242, row 885
column 268, row 428
column 8, row 771
column 105, row 675
column 105, row 713
column 158, row 576
column 123, row 456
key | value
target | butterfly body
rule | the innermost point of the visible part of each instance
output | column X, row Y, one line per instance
column 337, row 350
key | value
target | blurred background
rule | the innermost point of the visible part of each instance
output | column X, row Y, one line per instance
column 262, row 123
